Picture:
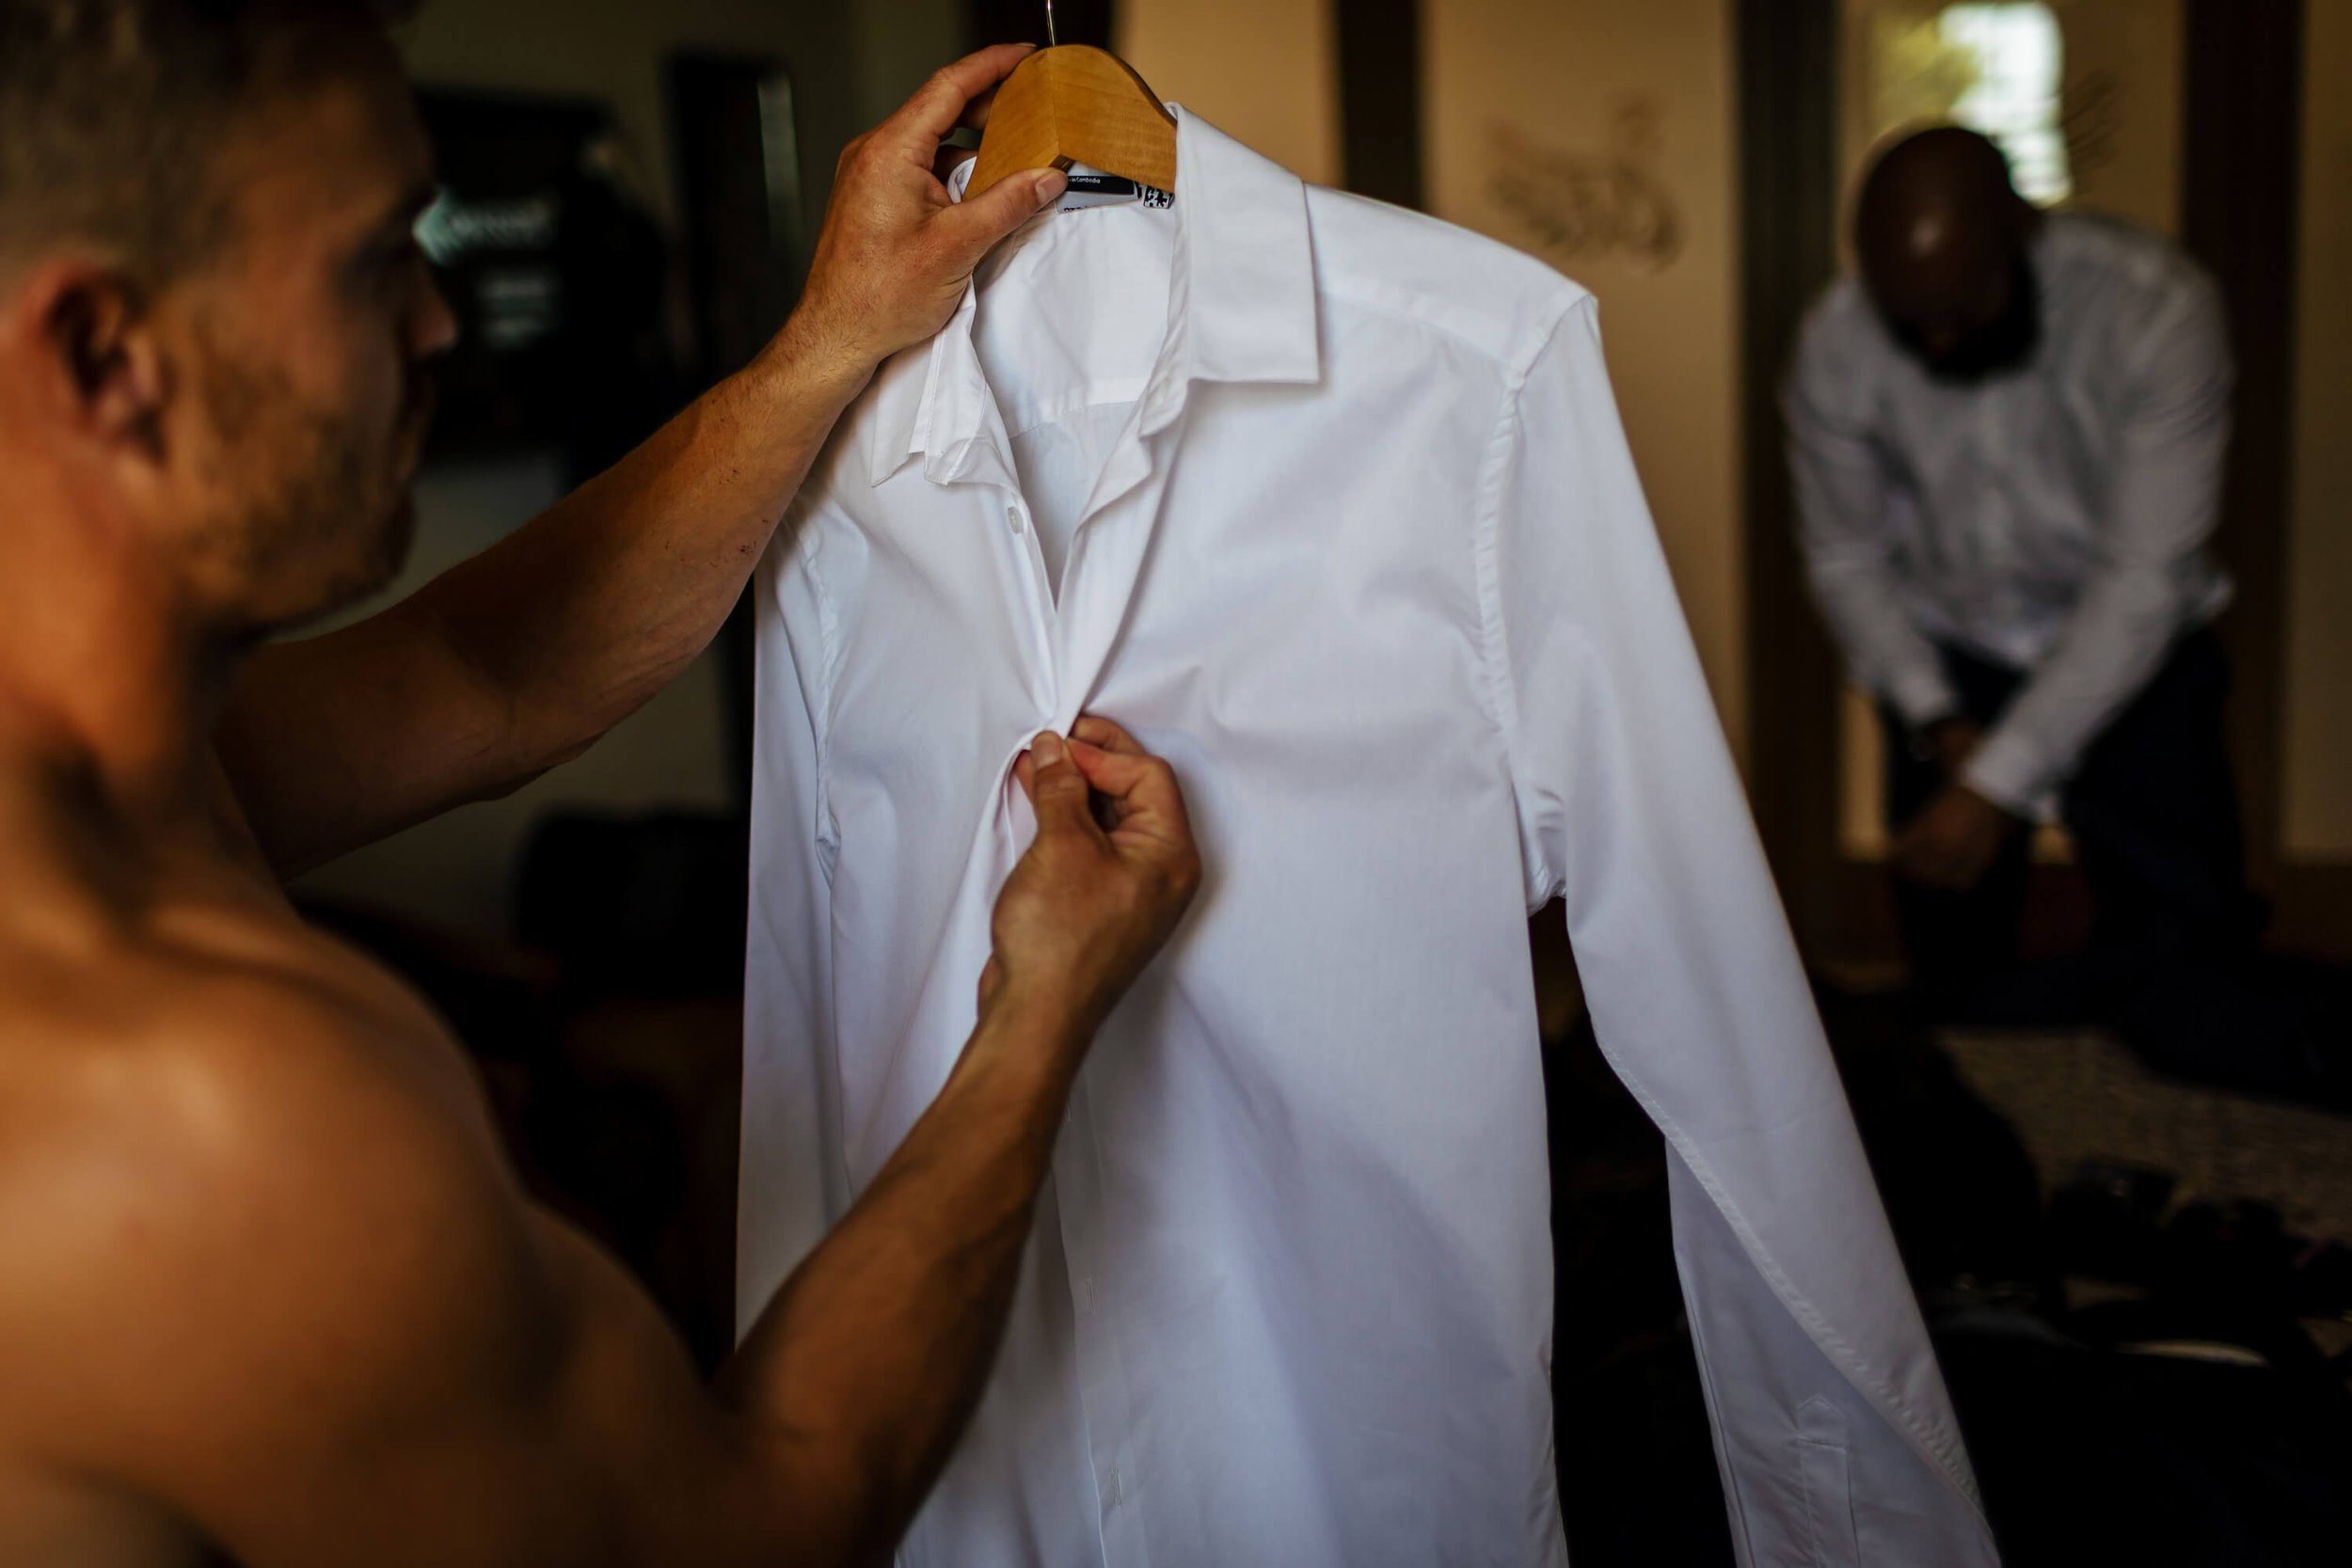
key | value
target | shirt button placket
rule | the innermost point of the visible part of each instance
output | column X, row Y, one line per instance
column 1040, row 595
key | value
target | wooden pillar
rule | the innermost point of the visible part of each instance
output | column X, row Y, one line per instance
column 1024, row 21
column 1380, row 100
column 1789, row 204
column 2240, row 200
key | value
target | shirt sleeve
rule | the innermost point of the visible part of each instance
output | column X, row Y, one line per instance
column 1629, row 803
column 1841, row 530
column 2146, row 589
column 1630, row 812
column 791, row 1186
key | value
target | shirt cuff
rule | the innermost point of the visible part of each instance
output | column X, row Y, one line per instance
column 1922, row 696
column 2009, row 771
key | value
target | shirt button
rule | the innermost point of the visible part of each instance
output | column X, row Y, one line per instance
column 1012, row 518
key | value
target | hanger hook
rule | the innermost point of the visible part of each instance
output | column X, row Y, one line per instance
column 1052, row 38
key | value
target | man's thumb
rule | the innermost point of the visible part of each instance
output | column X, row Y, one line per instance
column 986, row 218
column 1056, row 789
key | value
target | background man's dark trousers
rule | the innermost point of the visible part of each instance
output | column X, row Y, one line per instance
column 2172, row 964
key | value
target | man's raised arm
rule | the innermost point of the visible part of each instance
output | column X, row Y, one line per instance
column 520, row 659
column 402, row 1362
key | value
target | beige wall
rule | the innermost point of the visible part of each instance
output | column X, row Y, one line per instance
column 1264, row 71
column 2318, row 822
column 1530, row 109
column 2124, row 87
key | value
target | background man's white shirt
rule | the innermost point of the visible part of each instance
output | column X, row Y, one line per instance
column 2053, row 520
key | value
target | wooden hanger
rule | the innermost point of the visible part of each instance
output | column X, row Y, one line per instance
column 1071, row 103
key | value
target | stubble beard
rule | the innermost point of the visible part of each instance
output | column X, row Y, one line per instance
column 316, row 490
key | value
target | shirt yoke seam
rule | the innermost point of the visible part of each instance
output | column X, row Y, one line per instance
column 1430, row 313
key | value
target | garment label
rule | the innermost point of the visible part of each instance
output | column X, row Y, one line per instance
column 1092, row 187
column 1089, row 187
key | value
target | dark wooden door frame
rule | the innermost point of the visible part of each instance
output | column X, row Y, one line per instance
column 1380, row 98
column 987, row 22
column 1787, row 113
column 2242, row 133
column 2241, row 114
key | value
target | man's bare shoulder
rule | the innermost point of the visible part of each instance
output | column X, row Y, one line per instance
column 218, row 1063
column 162, row 992
column 219, row 1133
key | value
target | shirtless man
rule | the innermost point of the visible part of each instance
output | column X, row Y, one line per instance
column 268, row 1291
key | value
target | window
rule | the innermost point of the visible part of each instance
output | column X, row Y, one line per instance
column 2020, row 58
column 1997, row 69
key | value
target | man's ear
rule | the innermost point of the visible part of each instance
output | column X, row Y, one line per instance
column 108, row 364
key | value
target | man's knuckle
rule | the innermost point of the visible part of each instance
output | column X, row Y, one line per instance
column 931, row 255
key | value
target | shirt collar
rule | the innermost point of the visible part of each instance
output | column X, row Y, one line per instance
column 1240, row 308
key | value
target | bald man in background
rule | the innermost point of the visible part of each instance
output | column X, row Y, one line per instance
column 2007, row 437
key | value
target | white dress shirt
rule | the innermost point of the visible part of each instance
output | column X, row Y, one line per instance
column 2053, row 520
column 1328, row 503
